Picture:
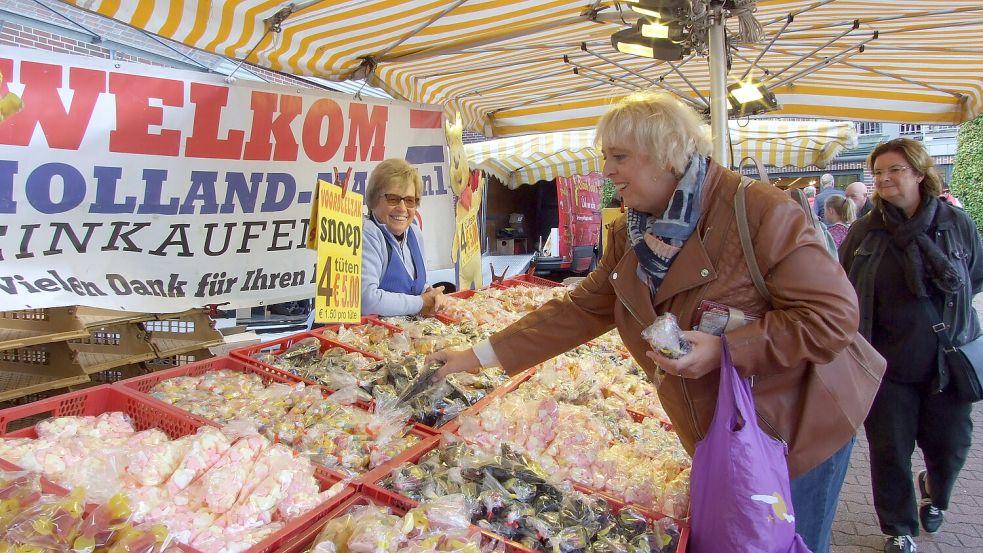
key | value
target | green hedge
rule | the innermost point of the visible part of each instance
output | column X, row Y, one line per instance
column 607, row 193
column 967, row 175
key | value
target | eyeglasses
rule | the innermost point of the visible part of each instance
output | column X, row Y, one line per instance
column 892, row 171
column 394, row 199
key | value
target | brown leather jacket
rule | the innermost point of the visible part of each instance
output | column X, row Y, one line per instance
column 814, row 314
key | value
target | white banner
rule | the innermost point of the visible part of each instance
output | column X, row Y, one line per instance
column 142, row 188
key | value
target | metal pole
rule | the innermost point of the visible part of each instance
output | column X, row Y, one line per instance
column 718, row 88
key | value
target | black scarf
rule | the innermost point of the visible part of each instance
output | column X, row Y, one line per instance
column 923, row 260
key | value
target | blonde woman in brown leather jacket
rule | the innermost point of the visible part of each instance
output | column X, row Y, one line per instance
column 678, row 245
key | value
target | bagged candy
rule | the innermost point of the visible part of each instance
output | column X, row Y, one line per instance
column 664, row 335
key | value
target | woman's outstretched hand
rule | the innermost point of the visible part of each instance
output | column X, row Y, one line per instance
column 703, row 359
column 454, row 361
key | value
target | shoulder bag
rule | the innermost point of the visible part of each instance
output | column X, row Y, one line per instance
column 855, row 362
column 965, row 362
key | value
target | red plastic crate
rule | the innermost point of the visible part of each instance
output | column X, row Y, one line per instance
column 399, row 506
column 148, row 413
column 616, row 503
column 509, row 386
column 463, row 294
column 411, row 455
column 301, row 524
column 529, row 280
column 277, row 347
column 102, row 399
column 319, row 331
column 145, row 383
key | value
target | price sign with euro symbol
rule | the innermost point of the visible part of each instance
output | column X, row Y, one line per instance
column 338, row 230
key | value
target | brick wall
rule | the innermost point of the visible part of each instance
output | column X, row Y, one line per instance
column 29, row 24
column 14, row 34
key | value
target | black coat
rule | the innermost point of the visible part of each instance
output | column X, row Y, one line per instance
column 956, row 236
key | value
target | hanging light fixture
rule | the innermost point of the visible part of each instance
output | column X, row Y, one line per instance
column 750, row 98
column 650, row 40
column 660, row 9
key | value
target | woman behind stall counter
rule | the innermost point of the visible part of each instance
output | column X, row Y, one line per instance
column 393, row 272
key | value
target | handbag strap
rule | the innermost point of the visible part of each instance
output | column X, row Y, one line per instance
column 744, row 233
column 762, row 173
column 940, row 328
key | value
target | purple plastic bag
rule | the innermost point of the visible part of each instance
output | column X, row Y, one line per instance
column 739, row 487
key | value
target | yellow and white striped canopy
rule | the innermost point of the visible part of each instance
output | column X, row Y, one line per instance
column 527, row 159
column 513, row 67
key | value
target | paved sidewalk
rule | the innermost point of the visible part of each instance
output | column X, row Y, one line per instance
column 856, row 529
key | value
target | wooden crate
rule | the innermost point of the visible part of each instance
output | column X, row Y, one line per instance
column 112, row 346
column 38, row 368
column 163, row 363
column 28, row 327
column 94, row 317
column 182, row 332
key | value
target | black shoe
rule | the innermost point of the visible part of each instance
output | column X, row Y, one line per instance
column 931, row 516
column 900, row 544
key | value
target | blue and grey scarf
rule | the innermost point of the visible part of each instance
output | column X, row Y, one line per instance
column 657, row 240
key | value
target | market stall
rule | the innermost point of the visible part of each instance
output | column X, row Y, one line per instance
column 333, row 421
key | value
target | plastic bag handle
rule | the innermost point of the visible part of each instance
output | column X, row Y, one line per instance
column 733, row 394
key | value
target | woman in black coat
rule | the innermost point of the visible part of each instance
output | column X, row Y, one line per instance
column 914, row 259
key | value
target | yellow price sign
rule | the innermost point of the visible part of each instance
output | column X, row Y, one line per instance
column 339, row 255
column 470, row 242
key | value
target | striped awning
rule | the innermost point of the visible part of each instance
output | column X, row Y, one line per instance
column 526, row 159
column 513, row 67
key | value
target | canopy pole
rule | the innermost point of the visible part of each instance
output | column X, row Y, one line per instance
column 718, row 88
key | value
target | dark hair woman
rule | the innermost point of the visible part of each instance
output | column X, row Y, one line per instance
column 912, row 257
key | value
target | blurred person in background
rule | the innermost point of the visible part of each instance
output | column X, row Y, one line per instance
column 912, row 260
column 827, row 189
column 840, row 214
column 948, row 197
column 810, row 192
column 857, row 192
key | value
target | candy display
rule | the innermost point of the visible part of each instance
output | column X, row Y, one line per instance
column 511, row 495
column 33, row 521
column 481, row 310
column 433, row 404
column 523, row 299
column 338, row 436
column 216, row 491
column 587, row 376
column 596, row 443
column 427, row 335
column 438, row 525
column 575, row 455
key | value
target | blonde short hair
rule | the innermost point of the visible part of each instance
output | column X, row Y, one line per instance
column 389, row 172
column 657, row 123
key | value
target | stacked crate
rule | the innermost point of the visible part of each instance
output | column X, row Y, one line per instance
column 45, row 351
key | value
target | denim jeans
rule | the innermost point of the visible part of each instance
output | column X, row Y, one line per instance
column 815, row 495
